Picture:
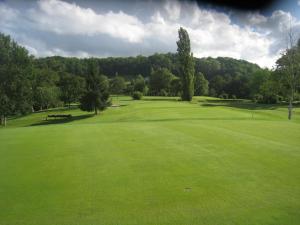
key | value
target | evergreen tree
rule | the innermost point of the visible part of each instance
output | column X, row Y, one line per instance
column 186, row 67
column 96, row 96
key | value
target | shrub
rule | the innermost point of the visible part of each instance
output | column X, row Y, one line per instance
column 258, row 98
column 268, row 99
column 280, row 98
column 163, row 92
column 223, row 96
column 212, row 92
column 137, row 95
column 296, row 97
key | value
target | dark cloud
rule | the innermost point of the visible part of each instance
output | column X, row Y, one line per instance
column 121, row 28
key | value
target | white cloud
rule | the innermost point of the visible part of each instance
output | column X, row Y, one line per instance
column 6, row 15
column 213, row 34
column 58, row 27
column 66, row 18
column 173, row 9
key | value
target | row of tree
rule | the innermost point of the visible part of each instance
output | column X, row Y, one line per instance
column 26, row 87
column 29, row 84
column 129, row 68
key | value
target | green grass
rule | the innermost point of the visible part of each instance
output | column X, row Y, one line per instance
column 158, row 161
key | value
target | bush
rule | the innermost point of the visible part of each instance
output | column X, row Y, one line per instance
column 163, row 92
column 296, row 97
column 272, row 99
column 268, row 99
column 137, row 95
column 280, row 98
column 212, row 92
column 223, row 96
column 233, row 96
column 258, row 98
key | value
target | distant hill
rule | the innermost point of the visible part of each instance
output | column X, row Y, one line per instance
column 132, row 66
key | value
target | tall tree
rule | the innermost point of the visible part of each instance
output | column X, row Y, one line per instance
column 289, row 67
column 139, row 84
column 117, row 85
column 45, row 90
column 15, row 79
column 160, row 81
column 187, row 67
column 72, row 87
column 96, row 96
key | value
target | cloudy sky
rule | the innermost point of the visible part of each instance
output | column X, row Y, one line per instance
column 129, row 28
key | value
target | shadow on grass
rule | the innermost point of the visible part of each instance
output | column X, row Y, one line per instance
column 243, row 104
column 117, row 105
column 61, row 120
column 161, row 99
column 248, row 118
column 61, row 109
column 158, row 98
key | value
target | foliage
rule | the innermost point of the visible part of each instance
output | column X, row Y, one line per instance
column 236, row 73
column 201, row 85
column 186, row 64
column 139, row 84
column 96, row 96
column 28, row 83
column 160, row 79
column 117, row 85
column 16, row 77
column 45, row 90
column 288, row 71
column 137, row 95
column 71, row 87
column 288, row 66
column 175, row 87
column 46, row 97
column 224, row 96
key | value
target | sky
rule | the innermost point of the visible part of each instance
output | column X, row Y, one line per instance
column 87, row 28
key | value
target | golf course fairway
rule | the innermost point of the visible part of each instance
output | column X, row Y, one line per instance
column 157, row 161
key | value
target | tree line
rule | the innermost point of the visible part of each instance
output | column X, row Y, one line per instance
column 30, row 84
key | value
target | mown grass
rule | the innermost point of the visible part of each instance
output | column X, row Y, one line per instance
column 156, row 161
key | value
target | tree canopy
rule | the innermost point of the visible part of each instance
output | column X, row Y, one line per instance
column 186, row 65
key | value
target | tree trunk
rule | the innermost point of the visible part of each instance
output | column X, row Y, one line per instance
column 2, row 120
column 290, row 108
column 5, row 121
column 96, row 111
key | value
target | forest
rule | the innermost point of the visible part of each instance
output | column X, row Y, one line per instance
column 30, row 84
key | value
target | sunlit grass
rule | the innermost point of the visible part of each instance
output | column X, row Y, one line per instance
column 155, row 161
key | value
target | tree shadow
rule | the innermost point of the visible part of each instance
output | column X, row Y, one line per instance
column 61, row 109
column 243, row 104
column 61, row 120
column 117, row 105
column 194, row 119
column 165, row 99
column 162, row 99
